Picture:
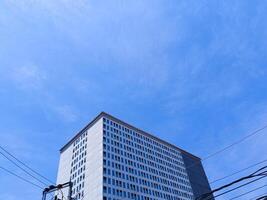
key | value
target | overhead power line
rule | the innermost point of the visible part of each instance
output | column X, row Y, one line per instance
column 236, row 142
column 256, row 197
column 40, row 181
column 25, row 165
column 230, row 146
column 259, row 173
column 262, row 198
column 21, row 178
column 239, row 187
column 228, row 191
column 219, row 179
column 250, row 192
column 227, row 176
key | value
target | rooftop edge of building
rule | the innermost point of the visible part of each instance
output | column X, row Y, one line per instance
column 104, row 114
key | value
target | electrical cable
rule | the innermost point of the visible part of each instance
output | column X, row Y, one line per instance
column 219, row 179
column 229, row 146
column 241, row 179
column 237, row 142
column 257, row 173
column 25, row 165
column 235, row 188
column 227, row 176
column 248, row 192
column 21, row 178
column 258, row 196
column 239, row 186
column 23, row 169
column 263, row 197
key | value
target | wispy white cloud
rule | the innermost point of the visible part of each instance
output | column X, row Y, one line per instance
column 66, row 113
column 28, row 76
column 220, row 66
column 17, row 144
column 137, row 48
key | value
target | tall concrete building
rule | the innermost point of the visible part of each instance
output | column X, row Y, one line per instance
column 113, row 160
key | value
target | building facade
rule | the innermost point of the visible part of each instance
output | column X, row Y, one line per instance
column 112, row 160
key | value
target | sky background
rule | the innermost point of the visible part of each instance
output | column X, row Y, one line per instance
column 191, row 72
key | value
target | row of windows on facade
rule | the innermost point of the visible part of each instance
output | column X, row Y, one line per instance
column 146, row 194
column 143, row 153
column 79, row 160
column 138, row 149
column 142, row 143
column 76, row 153
column 80, row 195
column 176, row 175
column 79, row 156
column 137, row 161
column 146, row 159
column 166, row 186
column 135, row 197
column 75, row 174
column 78, row 169
column 149, row 140
column 78, row 147
column 82, row 136
column 119, row 136
column 78, row 183
column 169, row 158
column 78, row 165
column 78, row 191
column 79, row 179
column 146, row 172
column 154, row 182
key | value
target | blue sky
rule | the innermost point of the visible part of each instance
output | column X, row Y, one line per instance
column 191, row 72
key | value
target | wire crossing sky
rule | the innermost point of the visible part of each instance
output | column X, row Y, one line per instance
column 191, row 72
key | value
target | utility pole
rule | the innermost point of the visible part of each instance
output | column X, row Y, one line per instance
column 53, row 188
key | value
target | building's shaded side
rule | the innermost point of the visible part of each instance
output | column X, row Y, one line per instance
column 197, row 176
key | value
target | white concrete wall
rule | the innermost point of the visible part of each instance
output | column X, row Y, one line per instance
column 64, row 168
column 94, row 163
